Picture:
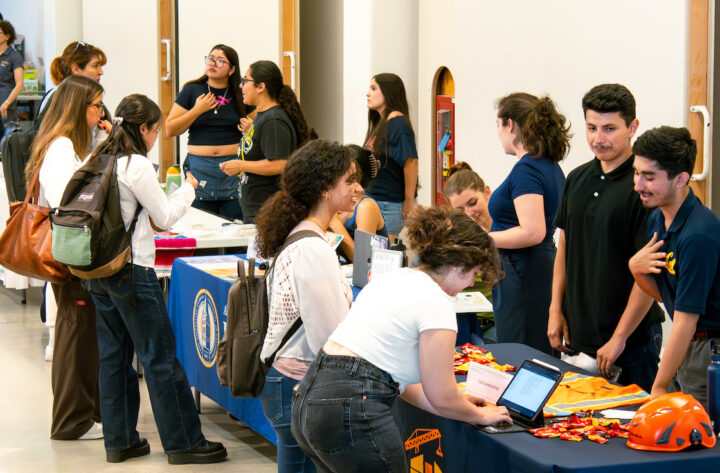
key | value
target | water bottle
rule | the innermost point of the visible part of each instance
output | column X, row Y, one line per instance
column 713, row 387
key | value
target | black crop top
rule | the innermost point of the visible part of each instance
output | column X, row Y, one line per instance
column 210, row 128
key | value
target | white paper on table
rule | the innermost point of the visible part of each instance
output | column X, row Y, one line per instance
column 473, row 301
column 617, row 414
column 485, row 382
column 384, row 261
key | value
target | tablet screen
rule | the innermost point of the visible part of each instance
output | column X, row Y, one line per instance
column 528, row 390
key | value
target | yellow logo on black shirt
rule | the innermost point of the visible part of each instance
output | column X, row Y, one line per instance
column 670, row 263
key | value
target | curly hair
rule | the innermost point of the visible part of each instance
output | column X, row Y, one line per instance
column 541, row 128
column 444, row 237
column 9, row 31
column 310, row 171
column 268, row 73
column 460, row 177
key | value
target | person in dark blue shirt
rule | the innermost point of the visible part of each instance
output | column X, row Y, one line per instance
column 391, row 139
column 680, row 265
column 522, row 209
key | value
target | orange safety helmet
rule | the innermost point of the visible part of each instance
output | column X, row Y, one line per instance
column 669, row 423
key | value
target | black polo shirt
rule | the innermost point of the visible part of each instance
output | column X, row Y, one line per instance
column 605, row 224
column 690, row 280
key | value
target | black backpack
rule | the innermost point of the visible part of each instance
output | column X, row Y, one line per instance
column 15, row 149
column 88, row 232
column 239, row 366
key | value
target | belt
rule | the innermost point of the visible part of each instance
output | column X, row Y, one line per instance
column 701, row 334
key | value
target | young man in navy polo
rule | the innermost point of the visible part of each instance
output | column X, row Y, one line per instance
column 680, row 266
column 596, row 305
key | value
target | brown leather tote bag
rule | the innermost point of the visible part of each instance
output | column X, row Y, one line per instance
column 26, row 242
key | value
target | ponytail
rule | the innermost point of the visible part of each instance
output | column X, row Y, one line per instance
column 288, row 101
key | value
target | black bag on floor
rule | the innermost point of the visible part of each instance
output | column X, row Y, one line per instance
column 239, row 366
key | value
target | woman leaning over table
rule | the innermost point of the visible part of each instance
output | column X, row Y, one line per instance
column 11, row 74
column 522, row 209
column 397, row 340
column 211, row 108
column 307, row 283
column 57, row 152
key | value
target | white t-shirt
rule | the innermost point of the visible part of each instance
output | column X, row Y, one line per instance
column 58, row 166
column 385, row 321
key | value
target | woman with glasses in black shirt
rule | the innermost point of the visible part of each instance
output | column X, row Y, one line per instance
column 210, row 108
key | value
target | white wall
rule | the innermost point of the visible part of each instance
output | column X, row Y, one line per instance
column 321, row 73
column 379, row 36
column 251, row 27
column 563, row 48
column 127, row 32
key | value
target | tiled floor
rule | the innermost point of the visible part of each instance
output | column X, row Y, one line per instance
column 25, row 406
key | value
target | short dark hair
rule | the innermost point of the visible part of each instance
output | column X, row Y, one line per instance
column 9, row 30
column 608, row 98
column 673, row 149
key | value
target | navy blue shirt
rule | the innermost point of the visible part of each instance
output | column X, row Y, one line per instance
column 389, row 185
column 530, row 175
column 210, row 128
column 690, row 280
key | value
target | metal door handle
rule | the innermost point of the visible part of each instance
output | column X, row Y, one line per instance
column 702, row 109
column 166, row 77
column 291, row 55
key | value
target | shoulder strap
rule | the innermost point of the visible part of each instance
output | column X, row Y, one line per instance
column 296, row 325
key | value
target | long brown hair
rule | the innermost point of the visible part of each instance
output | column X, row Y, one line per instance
column 78, row 53
column 66, row 116
column 541, row 127
column 393, row 90
column 233, row 80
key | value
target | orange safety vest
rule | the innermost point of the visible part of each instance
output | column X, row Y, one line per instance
column 578, row 392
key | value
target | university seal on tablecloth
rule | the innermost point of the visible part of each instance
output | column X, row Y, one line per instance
column 206, row 327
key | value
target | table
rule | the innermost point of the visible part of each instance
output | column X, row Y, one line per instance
column 437, row 444
column 197, row 304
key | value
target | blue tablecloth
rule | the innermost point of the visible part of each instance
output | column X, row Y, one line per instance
column 457, row 447
column 197, row 304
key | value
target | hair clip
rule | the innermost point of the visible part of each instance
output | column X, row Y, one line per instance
column 374, row 165
column 117, row 121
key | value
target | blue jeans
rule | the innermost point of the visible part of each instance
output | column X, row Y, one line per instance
column 276, row 399
column 229, row 209
column 342, row 419
column 121, row 331
column 640, row 364
column 392, row 214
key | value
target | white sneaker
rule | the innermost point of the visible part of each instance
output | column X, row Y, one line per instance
column 94, row 433
column 49, row 353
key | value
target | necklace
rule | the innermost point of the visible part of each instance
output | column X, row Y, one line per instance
column 220, row 101
column 316, row 222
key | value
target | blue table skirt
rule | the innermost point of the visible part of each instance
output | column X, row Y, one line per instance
column 188, row 286
column 458, row 447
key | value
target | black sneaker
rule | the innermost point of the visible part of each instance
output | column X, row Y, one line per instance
column 138, row 449
column 207, row 452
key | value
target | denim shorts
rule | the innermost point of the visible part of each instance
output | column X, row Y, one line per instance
column 213, row 183
column 342, row 416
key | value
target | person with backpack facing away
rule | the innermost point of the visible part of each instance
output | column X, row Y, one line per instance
column 307, row 282
column 57, row 152
column 278, row 129
column 131, row 312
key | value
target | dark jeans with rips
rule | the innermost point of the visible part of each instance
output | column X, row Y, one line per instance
column 342, row 419
column 142, row 325
column 276, row 399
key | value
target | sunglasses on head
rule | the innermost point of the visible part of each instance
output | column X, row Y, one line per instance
column 78, row 44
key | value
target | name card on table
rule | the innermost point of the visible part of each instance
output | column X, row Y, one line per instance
column 485, row 382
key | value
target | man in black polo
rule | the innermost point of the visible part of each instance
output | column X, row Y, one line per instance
column 596, row 307
column 682, row 269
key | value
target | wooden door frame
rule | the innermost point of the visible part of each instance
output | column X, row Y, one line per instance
column 698, row 60
column 167, row 89
column 290, row 41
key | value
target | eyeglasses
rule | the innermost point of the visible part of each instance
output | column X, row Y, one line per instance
column 209, row 60
column 78, row 44
column 245, row 79
column 98, row 105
